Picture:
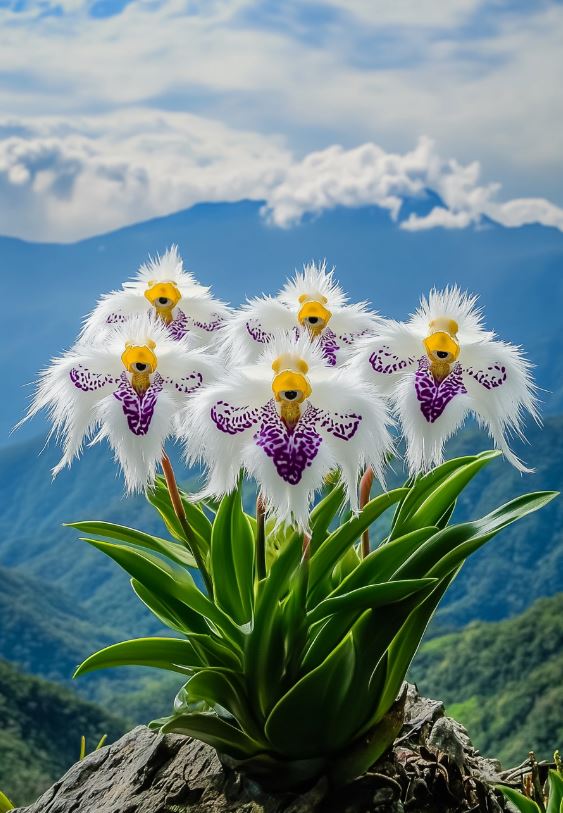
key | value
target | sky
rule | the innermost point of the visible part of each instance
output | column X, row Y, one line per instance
column 112, row 112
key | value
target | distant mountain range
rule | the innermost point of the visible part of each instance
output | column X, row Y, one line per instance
column 518, row 273
column 502, row 680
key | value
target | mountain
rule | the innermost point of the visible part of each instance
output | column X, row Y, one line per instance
column 40, row 729
column 502, row 680
column 517, row 273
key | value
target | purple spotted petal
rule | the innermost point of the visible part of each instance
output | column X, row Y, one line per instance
column 138, row 409
column 257, row 332
column 329, row 346
column 291, row 450
column 86, row 381
column 493, row 376
column 433, row 396
column 232, row 420
column 383, row 360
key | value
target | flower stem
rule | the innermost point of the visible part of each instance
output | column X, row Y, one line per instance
column 260, row 537
column 365, row 488
column 178, row 507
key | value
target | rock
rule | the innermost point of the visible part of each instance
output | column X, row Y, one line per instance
column 432, row 767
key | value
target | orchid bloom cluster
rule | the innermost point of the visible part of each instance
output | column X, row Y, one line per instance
column 288, row 388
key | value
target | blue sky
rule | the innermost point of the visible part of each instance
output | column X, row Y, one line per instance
column 113, row 111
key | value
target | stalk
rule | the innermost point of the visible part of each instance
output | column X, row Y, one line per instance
column 178, row 507
column 260, row 537
column 365, row 488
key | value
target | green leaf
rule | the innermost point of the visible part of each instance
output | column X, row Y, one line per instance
column 224, row 687
column 555, row 803
column 173, row 551
column 382, row 563
column 172, row 613
column 232, row 559
column 173, row 654
column 404, row 646
column 521, row 802
column 166, row 580
column 264, row 655
column 338, row 542
column 215, row 652
column 368, row 597
column 5, row 803
column 198, row 522
column 363, row 753
column 431, row 503
column 323, row 514
column 209, row 728
column 311, row 718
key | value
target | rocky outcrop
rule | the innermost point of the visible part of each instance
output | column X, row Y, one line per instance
column 432, row 767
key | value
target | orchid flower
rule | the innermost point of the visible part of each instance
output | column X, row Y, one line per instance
column 162, row 287
column 128, row 387
column 310, row 304
column 442, row 365
column 288, row 421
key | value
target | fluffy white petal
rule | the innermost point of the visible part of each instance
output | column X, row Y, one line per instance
column 384, row 358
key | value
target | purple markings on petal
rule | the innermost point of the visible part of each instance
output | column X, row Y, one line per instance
column 116, row 319
column 182, row 324
column 291, row 451
column 86, row 381
column 178, row 327
column 233, row 420
column 342, row 425
column 257, row 332
column 189, row 383
column 352, row 338
column 138, row 409
column 329, row 346
column 433, row 396
column 494, row 376
column 384, row 361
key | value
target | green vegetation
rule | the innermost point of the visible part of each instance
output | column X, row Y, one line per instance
column 503, row 680
column 40, row 729
column 272, row 646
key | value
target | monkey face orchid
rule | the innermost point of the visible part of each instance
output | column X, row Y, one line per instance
column 288, row 421
column 162, row 288
column 128, row 387
column 442, row 365
column 311, row 305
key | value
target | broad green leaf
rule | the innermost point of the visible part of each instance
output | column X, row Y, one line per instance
column 164, row 580
column 444, row 551
column 198, row 522
column 223, row 687
column 381, row 564
column 490, row 525
column 213, row 651
column 209, row 728
column 521, row 802
column 420, row 487
column 439, row 499
column 369, row 597
column 323, row 514
column 264, row 655
column 5, row 803
column 312, row 718
column 363, row 753
column 173, row 654
column 232, row 559
column 405, row 645
column 177, row 553
column 172, row 613
column 338, row 542
column 555, row 804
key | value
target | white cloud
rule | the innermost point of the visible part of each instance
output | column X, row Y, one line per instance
column 63, row 180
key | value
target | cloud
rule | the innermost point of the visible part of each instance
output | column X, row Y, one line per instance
column 63, row 180
column 481, row 79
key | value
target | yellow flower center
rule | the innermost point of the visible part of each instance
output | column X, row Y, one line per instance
column 312, row 314
column 140, row 361
column 290, row 386
column 163, row 296
column 442, row 346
